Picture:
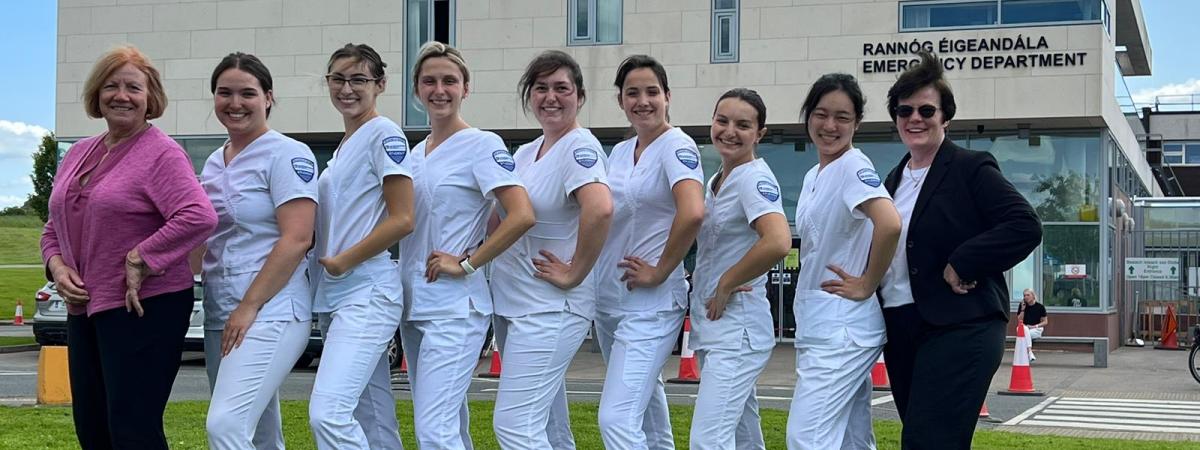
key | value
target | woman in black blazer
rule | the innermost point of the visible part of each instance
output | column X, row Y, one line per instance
column 945, row 299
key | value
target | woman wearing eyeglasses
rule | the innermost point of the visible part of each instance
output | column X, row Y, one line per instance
column 945, row 299
column 365, row 206
column 463, row 173
column 848, row 229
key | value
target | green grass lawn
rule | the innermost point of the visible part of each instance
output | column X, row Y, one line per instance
column 19, row 284
column 51, row 428
column 16, row 340
column 20, row 245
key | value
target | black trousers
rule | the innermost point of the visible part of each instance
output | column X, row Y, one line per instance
column 122, row 368
column 940, row 376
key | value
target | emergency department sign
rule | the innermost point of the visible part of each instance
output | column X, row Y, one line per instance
column 1151, row 269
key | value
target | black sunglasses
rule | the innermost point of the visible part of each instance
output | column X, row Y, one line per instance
column 925, row 111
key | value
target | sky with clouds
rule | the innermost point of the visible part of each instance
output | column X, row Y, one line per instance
column 27, row 82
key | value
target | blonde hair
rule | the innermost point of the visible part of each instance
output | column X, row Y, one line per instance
column 110, row 62
column 435, row 49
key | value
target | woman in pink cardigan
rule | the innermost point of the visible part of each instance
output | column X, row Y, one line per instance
column 125, row 211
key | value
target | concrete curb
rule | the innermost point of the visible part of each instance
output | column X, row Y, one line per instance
column 20, row 348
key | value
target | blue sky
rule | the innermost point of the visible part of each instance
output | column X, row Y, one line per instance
column 27, row 81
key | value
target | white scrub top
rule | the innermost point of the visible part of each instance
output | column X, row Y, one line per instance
column 453, row 200
column 352, row 204
column 896, row 288
column 834, row 231
column 643, row 210
column 271, row 171
column 726, row 236
column 574, row 161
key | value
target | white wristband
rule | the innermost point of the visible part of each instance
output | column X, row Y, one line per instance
column 466, row 265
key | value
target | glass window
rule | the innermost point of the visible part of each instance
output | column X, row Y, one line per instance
column 1173, row 159
column 428, row 20
column 594, row 22
column 1191, row 154
column 948, row 15
column 1041, row 11
column 926, row 14
column 198, row 149
column 1058, row 174
column 725, row 31
column 1064, row 245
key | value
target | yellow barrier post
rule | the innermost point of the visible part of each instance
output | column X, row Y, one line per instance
column 54, row 381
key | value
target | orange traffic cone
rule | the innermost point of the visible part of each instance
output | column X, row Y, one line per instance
column 687, row 358
column 1170, row 338
column 19, row 316
column 494, row 370
column 879, row 377
column 983, row 412
column 1021, row 382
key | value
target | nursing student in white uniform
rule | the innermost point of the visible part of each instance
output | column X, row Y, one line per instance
column 744, row 234
column 366, row 206
column 848, row 230
column 658, row 198
column 545, row 296
column 257, row 304
column 461, row 173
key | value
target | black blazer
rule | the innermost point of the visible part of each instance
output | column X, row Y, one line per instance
column 968, row 215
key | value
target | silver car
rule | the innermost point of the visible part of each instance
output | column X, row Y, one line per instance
column 50, row 319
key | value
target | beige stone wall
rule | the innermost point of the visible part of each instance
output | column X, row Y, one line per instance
column 187, row 39
column 785, row 45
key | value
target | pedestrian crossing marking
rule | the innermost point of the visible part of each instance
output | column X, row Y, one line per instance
column 1112, row 414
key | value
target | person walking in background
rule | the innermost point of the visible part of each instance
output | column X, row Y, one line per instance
column 946, row 301
column 125, row 211
column 744, row 234
column 365, row 206
column 462, row 172
column 658, row 206
column 848, row 230
column 257, row 302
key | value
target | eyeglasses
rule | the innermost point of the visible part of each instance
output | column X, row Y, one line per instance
column 925, row 111
column 336, row 82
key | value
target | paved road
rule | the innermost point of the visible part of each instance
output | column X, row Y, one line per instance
column 1143, row 394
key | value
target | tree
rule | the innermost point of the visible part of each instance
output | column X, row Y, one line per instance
column 45, row 164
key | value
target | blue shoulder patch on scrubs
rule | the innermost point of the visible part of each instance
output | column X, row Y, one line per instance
column 504, row 160
column 305, row 168
column 586, row 157
column 396, row 148
column 868, row 177
column 688, row 157
column 768, row 190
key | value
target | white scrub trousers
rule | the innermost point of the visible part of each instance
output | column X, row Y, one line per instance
column 352, row 406
column 244, row 412
column 531, row 405
column 633, row 406
column 442, row 356
column 726, row 415
column 831, row 406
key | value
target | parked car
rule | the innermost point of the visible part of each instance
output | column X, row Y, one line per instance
column 50, row 317
column 193, row 341
column 50, row 323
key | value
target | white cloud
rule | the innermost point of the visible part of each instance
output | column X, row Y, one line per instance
column 18, row 142
column 1147, row 96
column 11, row 200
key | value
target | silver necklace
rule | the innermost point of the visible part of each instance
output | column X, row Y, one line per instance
column 909, row 171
